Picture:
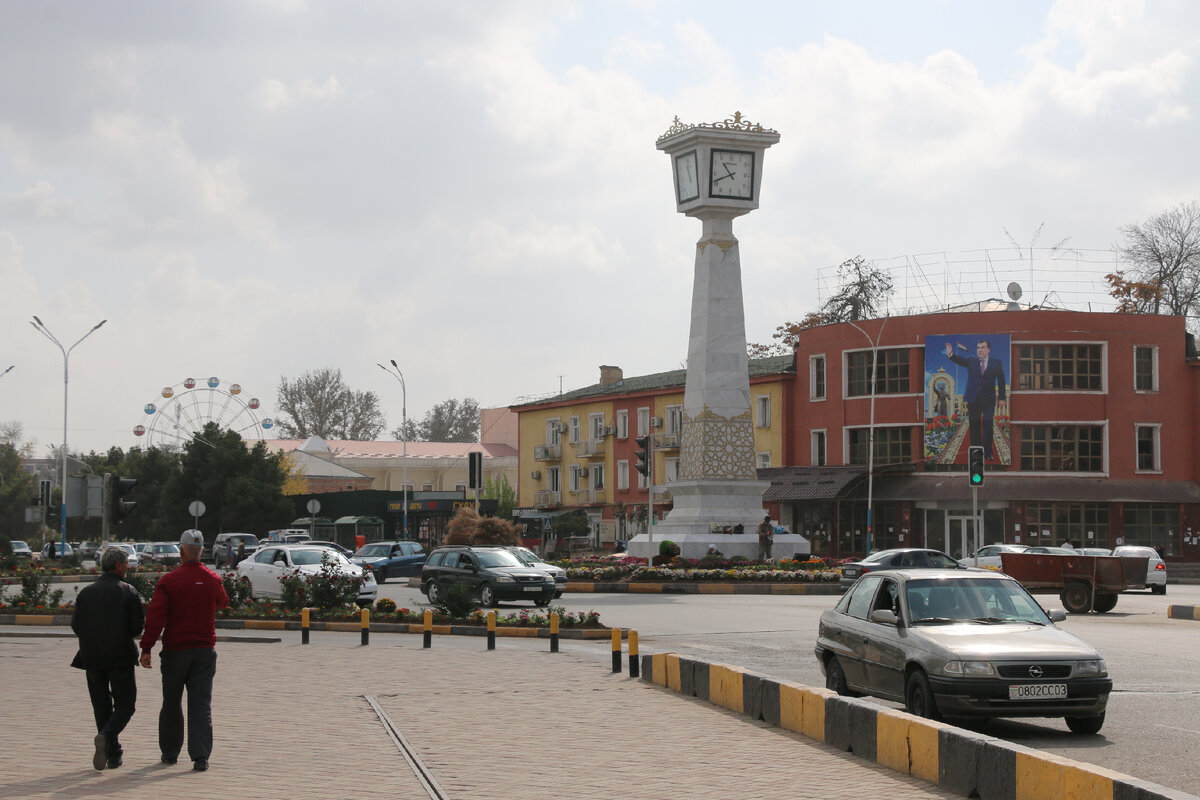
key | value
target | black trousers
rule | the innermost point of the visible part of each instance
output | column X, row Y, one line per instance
column 980, row 419
column 192, row 670
column 113, row 691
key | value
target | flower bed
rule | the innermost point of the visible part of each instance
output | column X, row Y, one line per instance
column 707, row 569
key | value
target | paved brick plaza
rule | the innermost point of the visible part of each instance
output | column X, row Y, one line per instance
column 292, row 722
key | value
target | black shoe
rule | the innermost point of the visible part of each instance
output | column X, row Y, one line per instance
column 113, row 763
column 166, row 759
column 100, row 757
column 200, row 764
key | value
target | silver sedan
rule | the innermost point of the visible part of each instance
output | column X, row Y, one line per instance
column 960, row 644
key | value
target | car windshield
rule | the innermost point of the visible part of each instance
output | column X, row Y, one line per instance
column 166, row 548
column 497, row 558
column 372, row 550
column 248, row 539
column 307, row 557
column 880, row 556
column 979, row 600
column 19, row 543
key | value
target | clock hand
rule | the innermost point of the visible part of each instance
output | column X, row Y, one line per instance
column 728, row 171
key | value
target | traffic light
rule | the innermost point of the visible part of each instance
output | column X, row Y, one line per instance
column 475, row 470
column 642, row 454
column 975, row 465
column 114, row 489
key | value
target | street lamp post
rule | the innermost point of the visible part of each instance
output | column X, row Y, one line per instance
column 398, row 375
column 871, row 429
column 41, row 328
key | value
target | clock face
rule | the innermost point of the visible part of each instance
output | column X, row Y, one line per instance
column 687, row 181
column 732, row 174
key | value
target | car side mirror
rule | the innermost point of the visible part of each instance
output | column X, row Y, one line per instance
column 1057, row 615
column 280, row 564
column 884, row 617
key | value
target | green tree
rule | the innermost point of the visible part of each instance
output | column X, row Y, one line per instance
column 153, row 468
column 16, row 490
column 498, row 488
column 449, row 421
column 241, row 487
column 319, row 403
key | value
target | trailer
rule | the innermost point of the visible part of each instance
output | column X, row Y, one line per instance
column 1083, row 583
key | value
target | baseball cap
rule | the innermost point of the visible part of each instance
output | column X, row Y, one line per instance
column 192, row 537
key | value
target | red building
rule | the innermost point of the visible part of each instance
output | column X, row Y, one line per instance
column 1089, row 420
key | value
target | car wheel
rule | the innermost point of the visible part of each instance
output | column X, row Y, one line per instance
column 919, row 697
column 1077, row 597
column 1085, row 725
column 381, row 575
column 433, row 592
column 487, row 596
column 542, row 603
column 1105, row 603
column 835, row 677
column 1158, row 589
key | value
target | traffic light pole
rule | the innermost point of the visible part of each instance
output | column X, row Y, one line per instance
column 975, row 517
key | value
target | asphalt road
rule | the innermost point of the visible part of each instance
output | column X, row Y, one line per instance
column 1152, row 730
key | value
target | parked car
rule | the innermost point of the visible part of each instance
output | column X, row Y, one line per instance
column 990, row 556
column 1094, row 551
column 61, row 550
column 161, row 553
column 901, row 557
column 1053, row 551
column 532, row 559
column 21, row 549
column 493, row 573
column 391, row 559
column 220, row 554
column 272, row 561
column 88, row 549
column 1156, row 568
column 346, row 551
column 135, row 557
column 958, row 643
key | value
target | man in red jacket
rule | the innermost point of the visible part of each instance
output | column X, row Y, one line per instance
column 184, row 610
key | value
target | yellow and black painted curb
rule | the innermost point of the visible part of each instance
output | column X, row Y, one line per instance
column 963, row 762
column 350, row 626
column 700, row 587
column 1183, row 612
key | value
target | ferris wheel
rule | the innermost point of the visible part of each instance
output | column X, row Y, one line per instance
column 187, row 407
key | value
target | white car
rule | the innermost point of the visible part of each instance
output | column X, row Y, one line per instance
column 135, row 558
column 532, row 559
column 1156, row 569
column 990, row 556
column 271, row 562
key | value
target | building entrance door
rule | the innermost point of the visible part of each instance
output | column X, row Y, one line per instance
column 960, row 534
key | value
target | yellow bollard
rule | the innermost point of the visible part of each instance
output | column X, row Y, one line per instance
column 634, row 667
column 491, row 630
column 304, row 621
column 554, row 632
column 616, row 649
column 427, row 621
column 366, row 626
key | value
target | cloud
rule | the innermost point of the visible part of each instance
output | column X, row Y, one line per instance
column 275, row 95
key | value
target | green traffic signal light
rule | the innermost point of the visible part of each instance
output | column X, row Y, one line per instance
column 975, row 465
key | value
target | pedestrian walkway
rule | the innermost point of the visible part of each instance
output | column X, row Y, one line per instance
column 294, row 721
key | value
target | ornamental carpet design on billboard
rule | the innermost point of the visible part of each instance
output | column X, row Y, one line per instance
column 717, row 447
column 966, row 397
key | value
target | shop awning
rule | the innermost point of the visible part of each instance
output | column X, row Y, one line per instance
column 954, row 488
column 797, row 484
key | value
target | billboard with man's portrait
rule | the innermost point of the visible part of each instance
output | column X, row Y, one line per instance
column 966, row 397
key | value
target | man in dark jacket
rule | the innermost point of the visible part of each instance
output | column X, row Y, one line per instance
column 108, row 614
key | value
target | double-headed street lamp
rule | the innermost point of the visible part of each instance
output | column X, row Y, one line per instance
column 41, row 328
column 398, row 375
column 871, row 430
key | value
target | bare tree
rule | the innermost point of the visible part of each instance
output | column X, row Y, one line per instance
column 12, row 433
column 449, row 421
column 1164, row 257
column 319, row 403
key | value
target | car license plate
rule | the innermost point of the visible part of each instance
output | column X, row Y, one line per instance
column 850, row 572
column 1037, row 691
column 533, row 588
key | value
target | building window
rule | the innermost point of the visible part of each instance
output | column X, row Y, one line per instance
column 597, row 476
column 553, row 479
column 577, row 477
column 623, row 424
column 818, row 448
column 762, row 405
column 670, row 470
column 674, row 420
column 1055, row 523
column 1153, row 525
column 1148, row 448
column 643, row 421
column 460, row 487
column 1065, row 448
column 596, row 426
column 622, row 476
column 426, row 487
column 762, row 460
column 1145, row 369
column 1061, row 367
column 574, row 430
column 891, row 372
column 892, row 445
column 553, row 431
column 816, row 377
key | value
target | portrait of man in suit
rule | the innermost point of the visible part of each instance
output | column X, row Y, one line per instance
column 986, row 392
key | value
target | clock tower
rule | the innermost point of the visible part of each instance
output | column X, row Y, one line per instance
column 717, row 169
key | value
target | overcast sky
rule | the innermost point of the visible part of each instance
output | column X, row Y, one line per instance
column 250, row 190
